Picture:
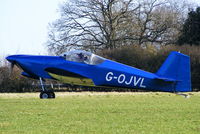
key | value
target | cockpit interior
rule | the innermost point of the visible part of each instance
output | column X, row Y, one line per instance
column 82, row 57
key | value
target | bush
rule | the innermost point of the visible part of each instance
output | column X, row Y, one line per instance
column 14, row 82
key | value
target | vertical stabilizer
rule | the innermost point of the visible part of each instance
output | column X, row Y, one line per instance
column 177, row 66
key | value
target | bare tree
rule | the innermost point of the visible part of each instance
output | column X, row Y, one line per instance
column 90, row 22
column 99, row 24
column 157, row 21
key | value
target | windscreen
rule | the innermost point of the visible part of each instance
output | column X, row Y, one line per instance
column 83, row 57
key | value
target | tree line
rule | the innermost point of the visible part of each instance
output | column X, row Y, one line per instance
column 147, row 59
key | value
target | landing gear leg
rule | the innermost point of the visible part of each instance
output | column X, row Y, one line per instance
column 45, row 94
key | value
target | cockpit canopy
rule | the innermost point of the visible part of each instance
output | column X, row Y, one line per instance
column 83, row 57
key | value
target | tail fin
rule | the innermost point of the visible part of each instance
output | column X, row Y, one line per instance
column 177, row 67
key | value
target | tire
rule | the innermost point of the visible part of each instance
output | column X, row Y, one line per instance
column 51, row 95
column 47, row 95
column 44, row 95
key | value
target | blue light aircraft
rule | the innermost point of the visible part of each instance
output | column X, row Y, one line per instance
column 84, row 68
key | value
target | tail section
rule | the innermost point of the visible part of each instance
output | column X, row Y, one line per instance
column 177, row 67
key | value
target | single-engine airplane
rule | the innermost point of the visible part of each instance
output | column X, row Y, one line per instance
column 84, row 68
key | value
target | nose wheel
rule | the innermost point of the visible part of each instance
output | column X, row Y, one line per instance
column 46, row 94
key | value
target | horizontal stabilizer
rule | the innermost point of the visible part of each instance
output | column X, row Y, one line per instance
column 166, row 79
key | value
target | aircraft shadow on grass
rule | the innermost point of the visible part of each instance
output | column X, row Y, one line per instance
column 84, row 68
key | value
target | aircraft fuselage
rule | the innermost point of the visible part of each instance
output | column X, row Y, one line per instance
column 109, row 73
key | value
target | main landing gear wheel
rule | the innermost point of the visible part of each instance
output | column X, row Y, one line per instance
column 47, row 95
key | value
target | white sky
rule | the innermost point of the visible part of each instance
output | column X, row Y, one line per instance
column 23, row 25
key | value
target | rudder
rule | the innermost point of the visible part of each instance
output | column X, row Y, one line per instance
column 177, row 66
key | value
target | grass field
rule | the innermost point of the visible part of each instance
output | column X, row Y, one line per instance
column 100, row 113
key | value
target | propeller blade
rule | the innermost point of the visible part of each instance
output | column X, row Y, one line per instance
column 11, row 66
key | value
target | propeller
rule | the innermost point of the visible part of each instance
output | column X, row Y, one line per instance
column 11, row 66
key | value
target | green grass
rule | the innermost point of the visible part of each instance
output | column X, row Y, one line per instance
column 100, row 113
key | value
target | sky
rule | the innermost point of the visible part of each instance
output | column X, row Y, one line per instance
column 24, row 25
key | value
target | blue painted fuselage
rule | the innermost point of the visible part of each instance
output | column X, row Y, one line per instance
column 108, row 73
